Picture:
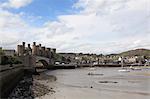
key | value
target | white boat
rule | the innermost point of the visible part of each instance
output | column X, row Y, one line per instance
column 92, row 68
column 131, row 67
column 136, row 68
column 124, row 70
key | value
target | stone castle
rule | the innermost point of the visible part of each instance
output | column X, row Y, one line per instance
column 37, row 50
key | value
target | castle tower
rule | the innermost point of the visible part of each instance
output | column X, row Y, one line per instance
column 43, row 51
column 29, row 50
column 20, row 50
column 54, row 50
column 34, row 50
column 48, row 53
column 23, row 44
column 40, row 50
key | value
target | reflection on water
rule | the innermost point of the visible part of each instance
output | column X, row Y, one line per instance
column 78, row 84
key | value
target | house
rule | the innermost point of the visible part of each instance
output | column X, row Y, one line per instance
column 9, row 52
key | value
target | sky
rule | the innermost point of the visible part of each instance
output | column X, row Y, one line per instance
column 87, row 26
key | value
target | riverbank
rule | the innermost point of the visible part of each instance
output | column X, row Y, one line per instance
column 30, row 87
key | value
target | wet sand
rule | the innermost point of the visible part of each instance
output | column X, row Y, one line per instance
column 107, row 83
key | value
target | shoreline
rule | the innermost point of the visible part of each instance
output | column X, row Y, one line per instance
column 77, row 84
column 42, row 85
column 30, row 87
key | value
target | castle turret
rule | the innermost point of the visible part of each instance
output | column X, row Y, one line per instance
column 54, row 50
column 23, row 44
column 34, row 50
column 43, row 51
column 29, row 50
column 20, row 50
column 48, row 52
column 40, row 50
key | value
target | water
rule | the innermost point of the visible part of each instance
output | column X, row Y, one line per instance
column 77, row 84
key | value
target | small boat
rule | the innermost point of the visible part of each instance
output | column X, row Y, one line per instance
column 124, row 70
column 92, row 68
column 136, row 68
column 131, row 67
column 90, row 73
column 122, row 65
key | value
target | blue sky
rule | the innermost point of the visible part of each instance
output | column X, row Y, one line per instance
column 48, row 10
column 88, row 26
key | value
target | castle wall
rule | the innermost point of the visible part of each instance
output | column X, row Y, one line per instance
column 37, row 50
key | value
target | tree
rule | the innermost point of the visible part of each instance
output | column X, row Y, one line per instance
column 10, row 60
column 1, row 52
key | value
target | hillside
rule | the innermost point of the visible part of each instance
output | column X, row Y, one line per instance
column 138, row 52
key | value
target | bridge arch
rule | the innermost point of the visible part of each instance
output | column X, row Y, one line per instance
column 41, row 63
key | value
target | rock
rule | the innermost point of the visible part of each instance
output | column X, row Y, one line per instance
column 28, row 88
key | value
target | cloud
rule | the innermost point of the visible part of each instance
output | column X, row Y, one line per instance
column 100, row 26
column 100, row 6
column 10, row 26
column 15, row 3
column 13, row 29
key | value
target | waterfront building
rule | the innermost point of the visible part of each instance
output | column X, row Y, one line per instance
column 9, row 52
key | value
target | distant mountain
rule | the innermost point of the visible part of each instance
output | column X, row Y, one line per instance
column 138, row 52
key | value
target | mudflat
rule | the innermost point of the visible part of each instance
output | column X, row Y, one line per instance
column 104, row 83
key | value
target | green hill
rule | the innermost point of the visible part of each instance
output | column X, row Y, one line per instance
column 136, row 52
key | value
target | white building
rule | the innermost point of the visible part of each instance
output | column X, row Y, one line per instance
column 9, row 52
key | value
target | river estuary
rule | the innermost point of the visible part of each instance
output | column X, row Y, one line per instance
column 99, row 83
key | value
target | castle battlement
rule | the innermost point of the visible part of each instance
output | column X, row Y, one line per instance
column 38, row 50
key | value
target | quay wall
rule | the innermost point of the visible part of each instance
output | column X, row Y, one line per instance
column 99, row 65
column 108, row 65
